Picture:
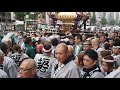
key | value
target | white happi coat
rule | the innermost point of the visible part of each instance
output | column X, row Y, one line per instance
column 117, row 59
column 18, row 57
column 10, row 67
column 114, row 74
column 3, row 74
column 44, row 65
column 69, row 70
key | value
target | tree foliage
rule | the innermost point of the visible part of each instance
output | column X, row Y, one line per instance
column 112, row 22
column 21, row 15
column 93, row 19
column 103, row 21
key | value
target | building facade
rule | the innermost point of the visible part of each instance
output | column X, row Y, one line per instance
column 108, row 15
column 7, row 20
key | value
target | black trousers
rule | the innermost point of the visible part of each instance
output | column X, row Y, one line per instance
column 84, row 23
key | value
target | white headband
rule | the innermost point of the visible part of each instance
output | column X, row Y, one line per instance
column 47, row 50
column 116, row 46
column 105, row 60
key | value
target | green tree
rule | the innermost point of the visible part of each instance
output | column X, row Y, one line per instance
column 112, row 22
column 93, row 19
column 34, row 16
column 119, row 23
column 37, row 15
column 20, row 15
column 103, row 21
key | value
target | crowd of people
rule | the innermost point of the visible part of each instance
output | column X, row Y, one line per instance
column 53, row 56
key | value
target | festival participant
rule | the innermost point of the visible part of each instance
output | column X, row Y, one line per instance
column 44, row 62
column 72, row 41
column 96, row 45
column 8, row 65
column 102, row 38
column 9, row 43
column 84, row 37
column 116, row 51
column 2, row 73
column 107, row 64
column 23, row 43
column 29, row 50
column 78, row 46
column 102, row 54
column 91, row 69
column 79, row 62
column 70, row 52
column 65, row 67
column 39, row 47
column 27, row 69
column 54, row 43
column 114, row 74
column 87, row 45
column 18, row 55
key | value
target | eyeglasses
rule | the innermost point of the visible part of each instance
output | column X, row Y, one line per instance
column 22, row 69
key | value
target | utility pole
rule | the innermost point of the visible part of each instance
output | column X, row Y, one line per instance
column 26, row 20
column 2, row 25
column 34, row 21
